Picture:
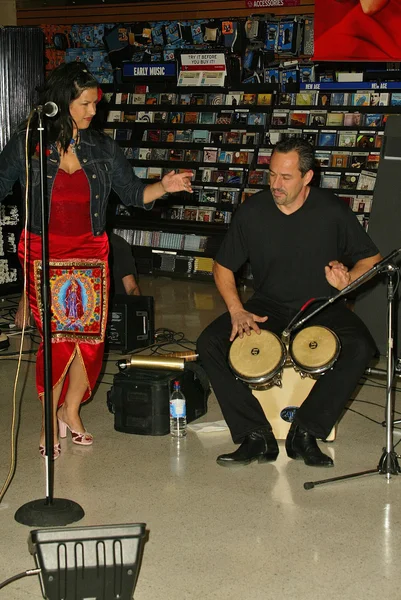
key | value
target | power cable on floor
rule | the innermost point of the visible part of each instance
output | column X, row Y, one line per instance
column 13, row 439
column 164, row 338
column 374, row 404
column 362, row 415
column 27, row 573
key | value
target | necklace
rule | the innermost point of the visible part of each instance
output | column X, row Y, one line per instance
column 72, row 145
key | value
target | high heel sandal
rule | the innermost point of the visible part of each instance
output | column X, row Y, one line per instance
column 56, row 451
column 82, row 439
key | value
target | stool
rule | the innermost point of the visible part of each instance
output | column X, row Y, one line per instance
column 277, row 402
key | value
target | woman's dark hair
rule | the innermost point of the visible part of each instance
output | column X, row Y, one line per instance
column 63, row 85
column 303, row 148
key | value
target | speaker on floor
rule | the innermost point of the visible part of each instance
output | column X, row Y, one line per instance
column 385, row 231
column 88, row 562
column 131, row 323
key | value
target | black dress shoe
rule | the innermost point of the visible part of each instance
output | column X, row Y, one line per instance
column 301, row 444
column 260, row 445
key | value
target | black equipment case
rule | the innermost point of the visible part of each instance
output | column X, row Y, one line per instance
column 140, row 398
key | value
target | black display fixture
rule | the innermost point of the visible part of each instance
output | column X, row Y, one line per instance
column 88, row 562
column 384, row 229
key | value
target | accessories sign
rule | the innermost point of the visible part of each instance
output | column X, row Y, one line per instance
column 271, row 3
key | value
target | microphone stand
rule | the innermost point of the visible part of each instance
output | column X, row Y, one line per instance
column 49, row 511
column 388, row 463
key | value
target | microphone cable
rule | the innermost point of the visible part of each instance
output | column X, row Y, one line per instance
column 11, row 471
column 303, row 308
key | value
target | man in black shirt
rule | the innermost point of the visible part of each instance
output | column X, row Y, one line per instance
column 122, row 267
column 302, row 242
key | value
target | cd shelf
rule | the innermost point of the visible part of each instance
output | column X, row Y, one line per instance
column 228, row 146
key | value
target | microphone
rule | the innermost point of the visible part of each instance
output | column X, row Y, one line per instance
column 152, row 362
column 285, row 337
column 50, row 109
column 188, row 355
column 174, row 361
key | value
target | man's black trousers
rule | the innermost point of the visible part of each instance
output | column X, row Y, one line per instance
column 328, row 397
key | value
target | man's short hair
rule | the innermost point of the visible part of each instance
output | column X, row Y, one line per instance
column 303, row 148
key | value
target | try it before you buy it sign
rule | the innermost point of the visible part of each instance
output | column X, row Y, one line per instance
column 214, row 61
column 271, row 3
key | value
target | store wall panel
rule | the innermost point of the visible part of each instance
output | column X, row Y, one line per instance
column 28, row 14
column 8, row 12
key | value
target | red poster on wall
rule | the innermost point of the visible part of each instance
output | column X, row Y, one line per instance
column 365, row 30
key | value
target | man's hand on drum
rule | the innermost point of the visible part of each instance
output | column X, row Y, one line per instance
column 243, row 321
column 337, row 275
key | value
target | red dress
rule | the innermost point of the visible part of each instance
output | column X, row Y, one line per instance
column 344, row 32
column 79, row 282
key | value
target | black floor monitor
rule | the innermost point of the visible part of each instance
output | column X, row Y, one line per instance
column 88, row 562
column 131, row 323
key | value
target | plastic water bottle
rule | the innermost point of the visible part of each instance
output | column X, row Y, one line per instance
column 178, row 412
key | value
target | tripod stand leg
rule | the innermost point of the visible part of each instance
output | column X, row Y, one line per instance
column 309, row 485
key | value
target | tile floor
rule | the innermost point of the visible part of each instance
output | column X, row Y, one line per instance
column 249, row 534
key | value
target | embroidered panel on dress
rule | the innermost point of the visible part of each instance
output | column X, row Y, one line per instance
column 78, row 299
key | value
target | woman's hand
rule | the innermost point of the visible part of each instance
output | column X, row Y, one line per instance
column 369, row 7
column 171, row 183
column 177, row 182
column 19, row 315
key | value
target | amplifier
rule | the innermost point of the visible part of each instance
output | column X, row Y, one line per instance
column 131, row 323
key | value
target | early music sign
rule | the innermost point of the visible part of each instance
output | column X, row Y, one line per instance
column 271, row 3
column 149, row 70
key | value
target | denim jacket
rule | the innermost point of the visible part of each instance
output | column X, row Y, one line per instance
column 101, row 159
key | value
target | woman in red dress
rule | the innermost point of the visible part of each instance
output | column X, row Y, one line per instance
column 82, row 167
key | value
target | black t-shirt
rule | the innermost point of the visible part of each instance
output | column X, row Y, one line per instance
column 288, row 253
column 121, row 263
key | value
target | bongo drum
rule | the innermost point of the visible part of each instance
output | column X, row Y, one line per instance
column 258, row 359
column 314, row 350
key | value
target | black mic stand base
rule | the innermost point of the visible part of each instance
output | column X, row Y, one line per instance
column 40, row 513
column 388, row 464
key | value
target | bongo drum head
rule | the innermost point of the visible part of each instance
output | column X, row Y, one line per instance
column 256, row 355
column 314, row 347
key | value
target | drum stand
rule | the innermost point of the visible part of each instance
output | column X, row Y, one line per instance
column 388, row 463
